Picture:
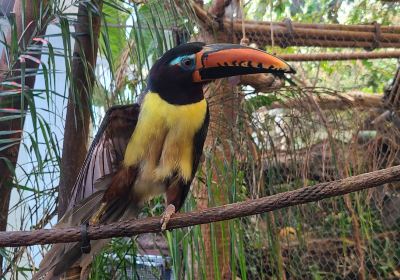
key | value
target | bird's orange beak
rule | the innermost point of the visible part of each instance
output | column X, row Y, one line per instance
column 225, row 60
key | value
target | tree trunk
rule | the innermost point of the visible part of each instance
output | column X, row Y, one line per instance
column 8, row 157
column 223, row 106
column 78, row 109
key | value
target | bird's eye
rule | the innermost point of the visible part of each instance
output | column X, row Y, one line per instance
column 187, row 62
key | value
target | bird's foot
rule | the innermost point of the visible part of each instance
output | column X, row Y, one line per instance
column 95, row 219
column 169, row 211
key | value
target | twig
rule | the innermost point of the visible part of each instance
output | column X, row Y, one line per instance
column 214, row 214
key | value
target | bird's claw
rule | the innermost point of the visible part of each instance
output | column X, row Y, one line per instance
column 169, row 211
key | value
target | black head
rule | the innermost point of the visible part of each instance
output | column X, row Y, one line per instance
column 179, row 75
column 171, row 75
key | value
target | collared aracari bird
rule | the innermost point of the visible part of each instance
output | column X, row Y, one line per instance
column 143, row 150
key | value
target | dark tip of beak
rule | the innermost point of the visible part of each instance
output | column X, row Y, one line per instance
column 291, row 70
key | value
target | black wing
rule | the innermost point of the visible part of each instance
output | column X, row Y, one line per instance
column 107, row 150
column 103, row 158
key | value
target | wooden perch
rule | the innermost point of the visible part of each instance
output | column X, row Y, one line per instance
column 214, row 214
column 340, row 102
column 310, row 33
column 339, row 56
column 261, row 35
column 332, row 26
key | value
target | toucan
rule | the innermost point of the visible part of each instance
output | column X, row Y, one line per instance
column 151, row 148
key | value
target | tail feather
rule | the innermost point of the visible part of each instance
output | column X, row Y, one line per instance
column 82, row 212
column 68, row 253
column 63, row 256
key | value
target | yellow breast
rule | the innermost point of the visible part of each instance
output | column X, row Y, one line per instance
column 162, row 142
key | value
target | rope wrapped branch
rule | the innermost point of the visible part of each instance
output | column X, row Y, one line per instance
column 214, row 214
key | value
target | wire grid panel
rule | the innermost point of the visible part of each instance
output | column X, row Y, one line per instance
column 329, row 123
column 346, row 237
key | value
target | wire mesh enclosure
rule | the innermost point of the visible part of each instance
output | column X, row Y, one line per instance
column 337, row 117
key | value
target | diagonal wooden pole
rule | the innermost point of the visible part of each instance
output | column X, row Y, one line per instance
column 214, row 214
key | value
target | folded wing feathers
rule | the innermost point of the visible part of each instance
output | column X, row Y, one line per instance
column 104, row 157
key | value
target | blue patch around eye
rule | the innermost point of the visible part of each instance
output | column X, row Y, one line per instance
column 178, row 59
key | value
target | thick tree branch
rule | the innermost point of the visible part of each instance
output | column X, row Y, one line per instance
column 331, row 102
column 260, row 82
column 339, row 56
column 218, row 8
column 214, row 214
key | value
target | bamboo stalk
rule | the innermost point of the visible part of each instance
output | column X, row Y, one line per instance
column 78, row 113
